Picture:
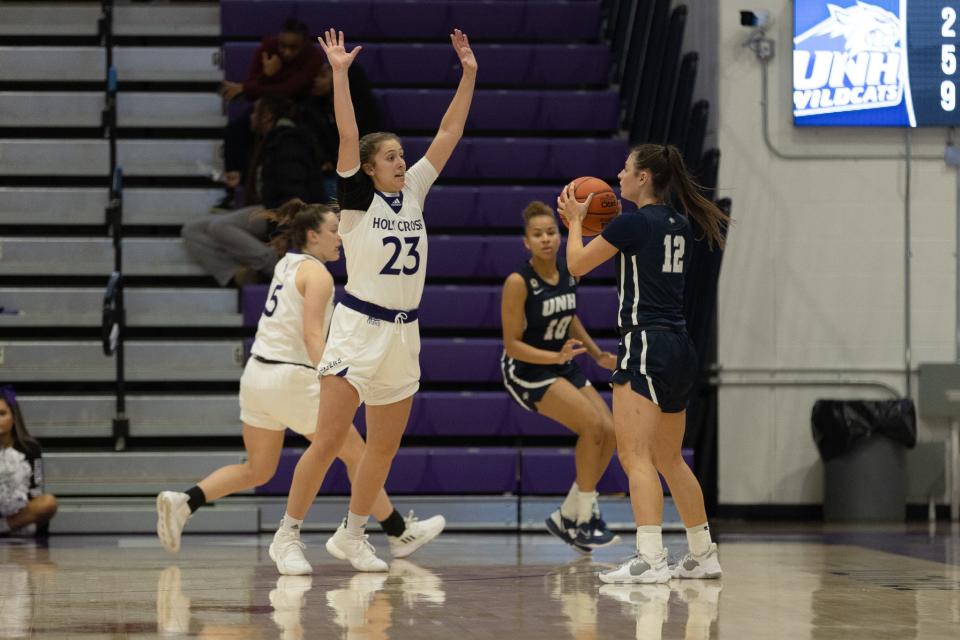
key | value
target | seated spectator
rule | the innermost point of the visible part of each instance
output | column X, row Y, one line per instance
column 316, row 114
column 283, row 65
column 286, row 162
column 24, row 507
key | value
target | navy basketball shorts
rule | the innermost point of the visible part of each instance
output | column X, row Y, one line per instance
column 528, row 383
column 658, row 363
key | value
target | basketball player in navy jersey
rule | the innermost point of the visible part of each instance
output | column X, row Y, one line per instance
column 656, row 362
column 372, row 353
column 541, row 335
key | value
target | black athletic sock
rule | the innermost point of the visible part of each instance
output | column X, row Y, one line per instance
column 394, row 525
column 197, row 499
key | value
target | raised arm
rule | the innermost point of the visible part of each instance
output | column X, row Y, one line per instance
column 511, row 320
column 581, row 259
column 454, row 120
column 340, row 61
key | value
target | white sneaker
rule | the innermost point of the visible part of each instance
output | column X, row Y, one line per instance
column 639, row 570
column 356, row 550
column 417, row 534
column 287, row 551
column 704, row 567
column 287, row 600
column 172, row 514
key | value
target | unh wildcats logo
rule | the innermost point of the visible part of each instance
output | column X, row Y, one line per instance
column 853, row 60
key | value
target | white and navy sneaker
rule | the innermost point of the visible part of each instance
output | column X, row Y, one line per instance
column 418, row 533
column 564, row 529
column 595, row 534
column 703, row 567
column 639, row 570
column 356, row 550
column 172, row 514
column 286, row 551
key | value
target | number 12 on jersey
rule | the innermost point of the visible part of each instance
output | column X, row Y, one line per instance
column 673, row 248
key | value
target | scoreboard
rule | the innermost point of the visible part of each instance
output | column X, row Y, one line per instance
column 876, row 63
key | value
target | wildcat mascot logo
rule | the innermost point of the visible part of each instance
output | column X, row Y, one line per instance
column 853, row 60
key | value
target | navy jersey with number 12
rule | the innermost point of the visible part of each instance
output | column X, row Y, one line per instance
column 651, row 266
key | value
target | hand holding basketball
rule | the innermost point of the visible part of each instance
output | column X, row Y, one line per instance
column 589, row 201
column 569, row 208
column 337, row 55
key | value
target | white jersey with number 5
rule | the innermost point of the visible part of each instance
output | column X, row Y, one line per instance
column 385, row 238
column 280, row 330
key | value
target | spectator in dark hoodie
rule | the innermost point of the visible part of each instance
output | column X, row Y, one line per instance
column 285, row 164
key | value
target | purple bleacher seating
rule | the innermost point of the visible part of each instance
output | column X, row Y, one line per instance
column 552, row 65
column 479, row 257
column 478, row 360
column 378, row 19
column 464, row 306
column 516, row 110
column 484, row 207
column 472, row 413
column 549, row 471
column 417, row 470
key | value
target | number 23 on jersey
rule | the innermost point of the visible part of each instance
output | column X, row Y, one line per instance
column 409, row 264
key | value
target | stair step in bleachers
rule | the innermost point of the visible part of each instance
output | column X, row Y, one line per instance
column 82, row 206
column 502, row 110
column 463, row 306
column 430, row 65
column 559, row 159
column 94, row 256
column 404, row 109
column 450, row 257
column 85, row 64
column 129, row 473
column 391, row 19
column 75, row 416
column 83, row 109
column 91, row 157
column 145, row 307
column 79, row 18
column 83, row 361
column 464, row 207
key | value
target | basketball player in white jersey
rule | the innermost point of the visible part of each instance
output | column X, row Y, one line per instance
column 279, row 387
column 372, row 354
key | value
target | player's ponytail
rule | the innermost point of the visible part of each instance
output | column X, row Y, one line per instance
column 294, row 218
column 670, row 177
column 708, row 215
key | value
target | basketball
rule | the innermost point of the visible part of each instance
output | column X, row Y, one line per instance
column 603, row 208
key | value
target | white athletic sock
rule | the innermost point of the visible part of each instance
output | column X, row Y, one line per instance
column 356, row 524
column 649, row 541
column 568, row 509
column 698, row 539
column 585, row 500
column 290, row 524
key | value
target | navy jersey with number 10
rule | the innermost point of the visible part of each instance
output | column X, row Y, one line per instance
column 549, row 308
column 651, row 266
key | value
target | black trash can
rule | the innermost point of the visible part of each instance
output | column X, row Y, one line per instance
column 863, row 444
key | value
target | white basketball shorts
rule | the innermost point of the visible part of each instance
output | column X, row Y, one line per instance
column 276, row 396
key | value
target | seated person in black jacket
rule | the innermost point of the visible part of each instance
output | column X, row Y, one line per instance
column 316, row 114
column 286, row 164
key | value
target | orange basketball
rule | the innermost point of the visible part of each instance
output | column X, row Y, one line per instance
column 603, row 208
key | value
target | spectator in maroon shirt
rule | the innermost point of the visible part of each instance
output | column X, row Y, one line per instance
column 283, row 65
